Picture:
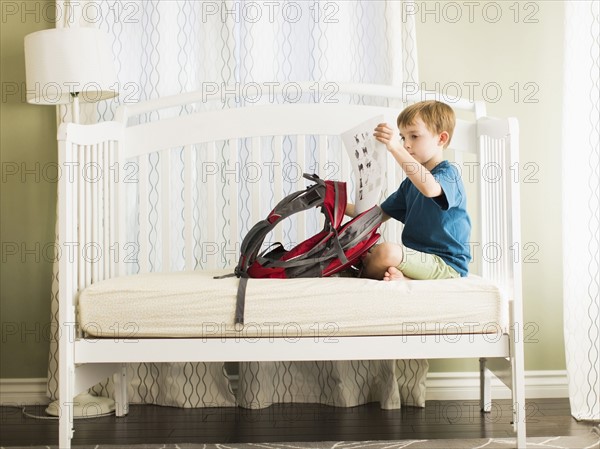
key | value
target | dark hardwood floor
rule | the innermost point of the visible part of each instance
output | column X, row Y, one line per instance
column 293, row 422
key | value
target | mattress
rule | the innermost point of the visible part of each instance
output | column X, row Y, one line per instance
column 194, row 304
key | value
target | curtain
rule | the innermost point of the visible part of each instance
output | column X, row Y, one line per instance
column 168, row 47
column 581, row 207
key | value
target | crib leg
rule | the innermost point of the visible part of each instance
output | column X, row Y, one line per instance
column 485, row 390
column 519, row 424
column 518, row 395
column 66, row 396
column 121, row 400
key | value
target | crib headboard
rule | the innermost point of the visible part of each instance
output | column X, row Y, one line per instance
column 175, row 183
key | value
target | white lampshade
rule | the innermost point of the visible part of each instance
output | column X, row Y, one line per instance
column 64, row 61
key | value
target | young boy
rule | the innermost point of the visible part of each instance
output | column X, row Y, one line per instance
column 431, row 201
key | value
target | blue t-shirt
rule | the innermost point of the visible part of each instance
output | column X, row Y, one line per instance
column 439, row 226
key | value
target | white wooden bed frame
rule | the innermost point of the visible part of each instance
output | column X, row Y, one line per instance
column 91, row 213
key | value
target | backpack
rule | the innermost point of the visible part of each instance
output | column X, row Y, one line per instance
column 334, row 249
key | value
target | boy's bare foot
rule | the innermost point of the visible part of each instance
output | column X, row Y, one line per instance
column 394, row 274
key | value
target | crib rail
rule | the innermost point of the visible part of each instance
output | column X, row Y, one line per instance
column 293, row 92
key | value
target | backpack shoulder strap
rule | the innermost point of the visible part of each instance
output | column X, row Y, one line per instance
column 312, row 196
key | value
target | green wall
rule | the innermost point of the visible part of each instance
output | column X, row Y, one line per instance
column 521, row 52
column 28, row 153
column 511, row 54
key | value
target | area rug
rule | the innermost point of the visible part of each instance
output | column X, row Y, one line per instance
column 589, row 440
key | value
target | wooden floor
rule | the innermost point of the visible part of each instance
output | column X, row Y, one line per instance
column 294, row 422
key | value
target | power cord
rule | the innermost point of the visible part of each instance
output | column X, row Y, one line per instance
column 31, row 415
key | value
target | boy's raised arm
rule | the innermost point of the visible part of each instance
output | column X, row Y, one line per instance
column 419, row 175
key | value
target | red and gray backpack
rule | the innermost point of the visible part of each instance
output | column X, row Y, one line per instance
column 334, row 249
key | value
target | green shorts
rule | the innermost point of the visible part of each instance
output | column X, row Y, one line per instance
column 417, row 265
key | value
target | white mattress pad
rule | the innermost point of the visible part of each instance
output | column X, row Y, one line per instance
column 194, row 304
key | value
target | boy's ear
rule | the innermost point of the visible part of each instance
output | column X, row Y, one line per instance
column 444, row 137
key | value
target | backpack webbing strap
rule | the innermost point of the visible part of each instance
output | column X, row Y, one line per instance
column 299, row 201
column 240, row 301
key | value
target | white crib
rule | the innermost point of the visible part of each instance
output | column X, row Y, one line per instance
column 233, row 162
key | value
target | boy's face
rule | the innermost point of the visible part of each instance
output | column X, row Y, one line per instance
column 425, row 146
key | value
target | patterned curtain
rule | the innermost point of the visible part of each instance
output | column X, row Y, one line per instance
column 581, row 206
column 168, row 47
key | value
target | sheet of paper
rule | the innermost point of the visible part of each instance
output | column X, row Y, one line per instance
column 367, row 156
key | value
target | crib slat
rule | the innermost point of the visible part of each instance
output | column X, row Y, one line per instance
column 300, row 183
column 111, row 206
column 485, row 205
column 77, row 210
column 255, row 185
column 188, row 207
column 118, row 222
column 233, row 179
column 313, row 167
column 199, row 221
column 102, row 212
column 345, row 172
column 278, row 181
column 500, row 207
column 113, row 238
column 165, row 201
column 493, row 208
column 95, row 211
column 495, row 184
column 105, row 210
column 499, row 241
column 144, row 219
column 87, row 204
column 322, row 155
column 482, row 200
column 497, row 198
column 211, row 215
column 81, row 217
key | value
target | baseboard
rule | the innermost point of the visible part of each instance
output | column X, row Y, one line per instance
column 451, row 386
column 440, row 386
column 465, row 385
column 19, row 392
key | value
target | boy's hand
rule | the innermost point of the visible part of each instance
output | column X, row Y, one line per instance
column 384, row 134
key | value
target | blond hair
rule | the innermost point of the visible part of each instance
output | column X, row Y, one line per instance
column 437, row 116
